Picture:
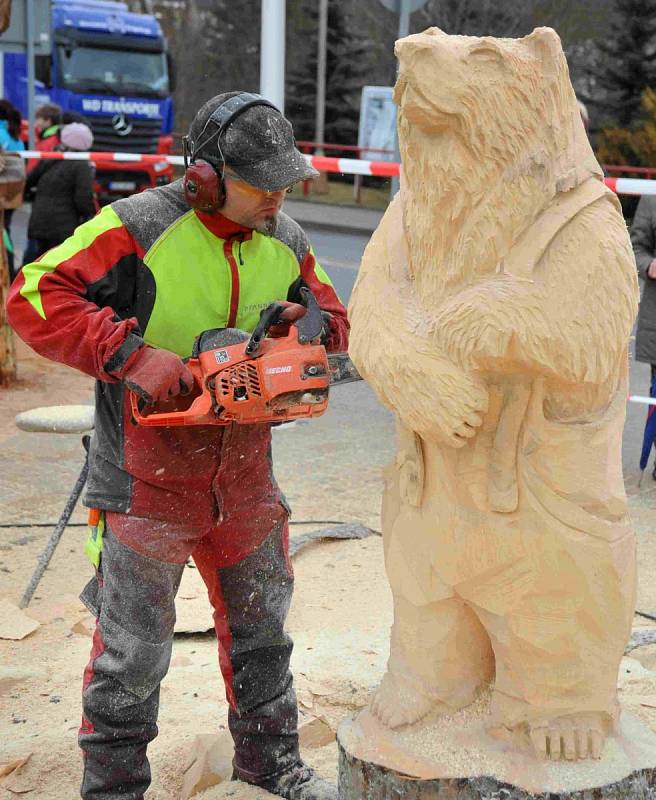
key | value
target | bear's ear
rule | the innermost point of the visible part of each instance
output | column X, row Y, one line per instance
column 546, row 45
column 435, row 32
column 485, row 49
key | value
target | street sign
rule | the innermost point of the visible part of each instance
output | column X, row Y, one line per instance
column 403, row 8
column 14, row 39
column 377, row 123
column 395, row 5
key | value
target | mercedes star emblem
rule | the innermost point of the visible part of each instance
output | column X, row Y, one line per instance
column 121, row 124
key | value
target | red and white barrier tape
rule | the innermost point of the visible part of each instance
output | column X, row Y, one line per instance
column 349, row 166
column 634, row 186
column 354, row 166
column 70, row 155
column 346, row 166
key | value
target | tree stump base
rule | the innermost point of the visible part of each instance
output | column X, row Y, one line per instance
column 453, row 758
column 57, row 419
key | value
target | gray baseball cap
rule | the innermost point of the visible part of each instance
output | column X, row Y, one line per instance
column 258, row 144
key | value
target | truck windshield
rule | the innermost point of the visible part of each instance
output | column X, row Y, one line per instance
column 106, row 71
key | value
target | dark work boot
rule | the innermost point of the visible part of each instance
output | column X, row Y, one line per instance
column 299, row 782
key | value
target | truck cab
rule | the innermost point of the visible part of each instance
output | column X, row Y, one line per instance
column 111, row 66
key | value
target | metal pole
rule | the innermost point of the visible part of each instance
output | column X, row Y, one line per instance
column 404, row 29
column 29, row 35
column 320, row 115
column 272, row 52
column 46, row 555
column 404, row 18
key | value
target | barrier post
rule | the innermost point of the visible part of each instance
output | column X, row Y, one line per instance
column 357, row 189
column 306, row 184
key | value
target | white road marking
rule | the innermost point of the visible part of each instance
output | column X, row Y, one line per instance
column 331, row 262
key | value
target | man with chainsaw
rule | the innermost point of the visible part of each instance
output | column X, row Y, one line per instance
column 123, row 299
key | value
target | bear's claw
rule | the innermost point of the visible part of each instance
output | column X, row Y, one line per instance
column 569, row 738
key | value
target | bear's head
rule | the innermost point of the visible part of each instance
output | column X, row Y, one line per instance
column 489, row 131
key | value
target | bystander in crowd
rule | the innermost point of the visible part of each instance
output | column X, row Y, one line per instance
column 643, row 238
column 61, row 193
column 47, row 122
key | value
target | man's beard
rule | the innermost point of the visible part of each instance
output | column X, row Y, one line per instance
column 268, row 225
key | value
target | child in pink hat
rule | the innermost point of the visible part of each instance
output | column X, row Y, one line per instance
column 62, row 192
column 76, row 136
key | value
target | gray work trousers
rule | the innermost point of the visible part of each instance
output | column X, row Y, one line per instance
column 133, row 596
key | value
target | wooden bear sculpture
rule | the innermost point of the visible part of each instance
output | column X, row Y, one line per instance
column 492, row 313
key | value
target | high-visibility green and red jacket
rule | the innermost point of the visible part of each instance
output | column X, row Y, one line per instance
column 150, row 270
column 46, row 142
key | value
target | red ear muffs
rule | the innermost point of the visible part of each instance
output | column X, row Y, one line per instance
column 203, row 188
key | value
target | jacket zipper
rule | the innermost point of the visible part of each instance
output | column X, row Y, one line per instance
column 234, row 293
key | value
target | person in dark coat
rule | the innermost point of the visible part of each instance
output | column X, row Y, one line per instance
column 643, row 238
column 64, row 192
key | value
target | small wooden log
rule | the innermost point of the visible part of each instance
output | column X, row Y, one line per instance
column 7, row 343
column 12, row 182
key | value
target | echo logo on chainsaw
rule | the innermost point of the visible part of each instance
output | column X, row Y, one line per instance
column 221, row 356
column 276, row 370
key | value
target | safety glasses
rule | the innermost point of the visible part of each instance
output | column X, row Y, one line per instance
column 248, row 188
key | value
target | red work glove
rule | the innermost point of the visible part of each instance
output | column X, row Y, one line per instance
column 291, row 313
column 157, row 375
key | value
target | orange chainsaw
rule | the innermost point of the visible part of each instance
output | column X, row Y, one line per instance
column 249, row 379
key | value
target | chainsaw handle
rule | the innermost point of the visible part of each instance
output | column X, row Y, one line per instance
column 200, row 412
column 308, row 327
column 200, row 405
column 268, row 316
column 137, row 404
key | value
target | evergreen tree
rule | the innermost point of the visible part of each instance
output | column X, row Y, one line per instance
column 214, row 50
column 628, row 61
column 346, row 70
column 637, row 146
column 477, row 17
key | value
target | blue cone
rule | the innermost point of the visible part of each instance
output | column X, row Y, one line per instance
column 650, row 429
